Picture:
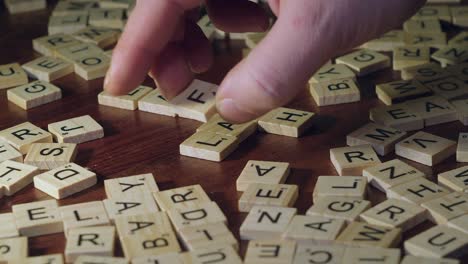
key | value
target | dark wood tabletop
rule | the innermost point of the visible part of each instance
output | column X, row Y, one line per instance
column 137, row 142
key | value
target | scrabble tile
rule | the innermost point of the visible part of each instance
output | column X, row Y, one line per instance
column 66, row 24
column 423, row 73
column 220, row 126
column 8, row 152
column 207, row 27
column 422, row 26
column 376, row 255
column 153, row 244
column 400, row 91
column 426, row 39
column 76, row 130
column 382, row 139
column 83, row 215
column 354, row 187
column 115, row 4
column 365, row 61
column 154, row 102
column 130, row 185
column 425, row 148
column 281, row 195
column 181, row 198
column 390, row 173
column 128, row 101
column 47, row 156
column 459, row 39
column 334, row 207
column 451, row 55
column 220, row 254
column 460, row 223
column 48, row 68
column 8, row 227
column 253, row 39
column 65, row 8
column 450, row 88
column 395, row 213
column 98, row 241
column 352, row 160
column 396, row 116
column 110, row 18
column 23, row 135
column 12, row 75
column 13, row 249
column 197, row 101
column 437, row 242
column 459, row 15
column 461, row 106
column 456, row 179
column 208, row 146
column 14, row 176
column 367, row 235
column 408, row 259
column 447, row 207
column 286, row 122
column 313, row 229
column 387, row 42
column 92, row 66
column 143, row 224
column 459, row 70
column 38, row 218
column 169, row 258
column 74, row 52
column 266, row 172
column 100, row 36
column 332, row 72
column 202, row 214
column 108, row 53
column 417, row 191
column 48, row 259
column 34, row 94
column 265, row 222
column 329, row 254
column 462, row 147
column 48, row 45
column 335, row 92
column 208, row 236
column 408, row 56
column 270, row 252
column 86, row 259
column 433, row 109
column 22, row 6
column 127, row 205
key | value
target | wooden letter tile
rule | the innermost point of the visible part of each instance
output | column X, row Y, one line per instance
column 448, row 207
column 387, row 42
column 168, row 258
column 456, row 179
column 422, row 26
column 282, row 195
column 130, row 185
column 208, row 236
column 129, row 101
column 14, row 176
column 354, row 187
column 97, row 241
column 313, row 229
column 365, row 61
column 462, row 147
column 34, row 94
column 221, row 255
column 396, row 116
column 409, row 56
column 367, row 235
column 352, row 160
column 127, row 205
column 181, row 198
column 15, row 6
column 394, row 213
column 8, row 227
column 48, row 68
column 87, row 259
column 153, row 244
column 76, row 130
column 270, row 252
column 92, row 66
column 375, row 255
column 220, row 126
column 83, row 214
column 154, row 102
column 451, row 55
column 460, row 223
column 333, row 72
column 205, row 213
column 286, row 122
column 335, row 92
column 23, row 135
column 459, row 16
column 13, row 249
column 268, row 172
column 327, row 254
column 431, row 12
column 8, row 152
column 459, row 39
column 426, row 148
column 265, row 222
column 45, row 259
column 434, row 110
column 47, row 156
column 417, row 191
column 12, row 75
column 74, row 52
column 99, row 36
column 208, row 146
column 339, row 208
column 423, row 73
column 408, row 259
column 382, row 139
column 437, row 242
column 450, row 88
column 111, row 18
column 143, row 224
column 426, row 39
column 66, row 24
column 38, row 218
column 400, row 91
column 48, row 45
column 461, row 106
column 391, row 173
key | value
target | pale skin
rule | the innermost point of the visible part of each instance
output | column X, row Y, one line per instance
column 161, row 39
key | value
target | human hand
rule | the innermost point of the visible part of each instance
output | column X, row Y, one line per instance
column 160, row 39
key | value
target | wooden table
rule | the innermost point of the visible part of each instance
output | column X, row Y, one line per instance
column 138, row 142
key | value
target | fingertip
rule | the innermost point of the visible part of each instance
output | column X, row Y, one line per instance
column 230, row 110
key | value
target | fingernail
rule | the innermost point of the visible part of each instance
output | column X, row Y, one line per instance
column 231, row 111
